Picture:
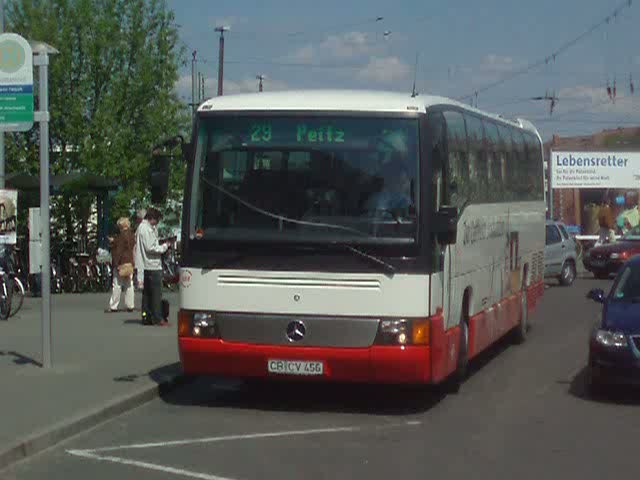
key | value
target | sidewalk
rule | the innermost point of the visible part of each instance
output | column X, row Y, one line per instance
column 103, row 364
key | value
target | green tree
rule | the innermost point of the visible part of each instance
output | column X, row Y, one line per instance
column 112, row 94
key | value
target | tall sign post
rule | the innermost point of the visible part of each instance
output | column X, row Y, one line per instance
column 2, row 169
column 42, row 61
column 17, row 58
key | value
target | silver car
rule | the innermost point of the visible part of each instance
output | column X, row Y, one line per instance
column 560, row 254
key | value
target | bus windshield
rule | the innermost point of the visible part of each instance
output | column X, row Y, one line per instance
column 306, row 179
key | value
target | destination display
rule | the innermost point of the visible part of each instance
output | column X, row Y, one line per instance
column 381, row 134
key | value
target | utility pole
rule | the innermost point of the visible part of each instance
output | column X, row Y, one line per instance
column 202, row 96
column 194, row 62
column 260, row 78
column 221, row 29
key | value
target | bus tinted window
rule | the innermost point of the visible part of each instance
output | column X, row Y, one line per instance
column 497, row 163
column 495, row 177
column 436, row 152
column 458, row 162
column 534, row 173
column 505, row 154
column 518, row 172
column 477, row 159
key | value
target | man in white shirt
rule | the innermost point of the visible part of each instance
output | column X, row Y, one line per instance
column 149, row 253
column 137, row 259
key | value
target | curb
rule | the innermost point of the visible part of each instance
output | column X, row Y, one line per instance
column 45, row 439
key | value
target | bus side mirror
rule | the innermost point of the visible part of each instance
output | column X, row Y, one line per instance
column 445, row 225
column 161, row 166
column 159, row 178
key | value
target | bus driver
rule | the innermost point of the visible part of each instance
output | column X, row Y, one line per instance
column 396, row 190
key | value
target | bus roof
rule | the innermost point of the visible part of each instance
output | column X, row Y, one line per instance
column 340, row 100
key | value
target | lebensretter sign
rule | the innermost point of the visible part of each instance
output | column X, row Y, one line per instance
column 595, row 169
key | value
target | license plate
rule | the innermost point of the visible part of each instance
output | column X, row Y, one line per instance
column 295, row 367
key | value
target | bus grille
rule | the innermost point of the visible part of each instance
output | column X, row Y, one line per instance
column 296, row 282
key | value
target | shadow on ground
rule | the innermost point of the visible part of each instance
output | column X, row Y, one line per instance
column 19, row 359
column 161, row 375
column 616, row 395
column 310, row 396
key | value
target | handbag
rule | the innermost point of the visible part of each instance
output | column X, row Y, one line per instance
column 125, row 270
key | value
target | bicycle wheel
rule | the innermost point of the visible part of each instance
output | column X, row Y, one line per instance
column 5, row 300
column 17, row 297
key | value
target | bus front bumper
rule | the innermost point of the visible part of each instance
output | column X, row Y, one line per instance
column 375, row 364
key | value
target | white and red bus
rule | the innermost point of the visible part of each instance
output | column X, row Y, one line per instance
column 356, row 236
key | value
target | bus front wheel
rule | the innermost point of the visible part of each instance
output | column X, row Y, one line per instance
column 459, row 375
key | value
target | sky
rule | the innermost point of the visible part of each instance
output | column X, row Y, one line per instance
column 462, row 47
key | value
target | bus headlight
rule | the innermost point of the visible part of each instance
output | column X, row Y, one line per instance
column 197, row 324
column 403, row 331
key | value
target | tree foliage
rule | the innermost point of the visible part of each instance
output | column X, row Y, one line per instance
column 111, row 91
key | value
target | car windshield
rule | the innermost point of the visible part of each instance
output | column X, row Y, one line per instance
column 627, row 287
column 306, row 179
column 633, row 234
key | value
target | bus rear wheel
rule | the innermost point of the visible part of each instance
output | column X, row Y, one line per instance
column 521, row 330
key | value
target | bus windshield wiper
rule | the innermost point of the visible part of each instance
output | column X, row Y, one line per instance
column 279, row 217
column 390, row 269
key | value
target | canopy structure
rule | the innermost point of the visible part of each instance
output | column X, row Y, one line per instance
column 78, row 182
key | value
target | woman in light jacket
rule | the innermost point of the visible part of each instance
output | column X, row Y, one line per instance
column 122, row 258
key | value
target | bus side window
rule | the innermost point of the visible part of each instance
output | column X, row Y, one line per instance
column 436, row 158
column 506, row 161
column 534, row 171
column 457, row 171
column 477, row 159
column 518, row 177
column 437, row 152
column 494, row 168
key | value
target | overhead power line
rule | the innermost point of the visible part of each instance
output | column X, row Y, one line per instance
column 552, row 57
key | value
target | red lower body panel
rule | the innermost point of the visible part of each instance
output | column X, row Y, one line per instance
column 534, row 295
column 444, row 349
column 380, row 364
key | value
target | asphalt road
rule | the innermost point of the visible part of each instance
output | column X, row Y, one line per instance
column 522, row 414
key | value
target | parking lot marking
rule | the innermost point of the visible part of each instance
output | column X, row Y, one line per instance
column 96, row 453
column 147, row 465
column 250, row 436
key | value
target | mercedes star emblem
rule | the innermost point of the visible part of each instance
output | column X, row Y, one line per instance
column 296, row 331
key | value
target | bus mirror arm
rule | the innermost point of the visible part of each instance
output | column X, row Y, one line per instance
column 445, row 224
column 186, row 151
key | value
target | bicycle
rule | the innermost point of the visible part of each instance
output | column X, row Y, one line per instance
column 170, row 266
column 6, row 295
column 11, row 271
